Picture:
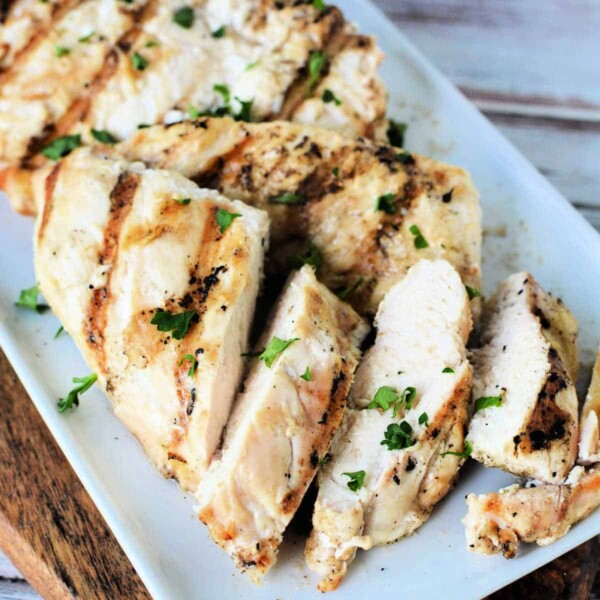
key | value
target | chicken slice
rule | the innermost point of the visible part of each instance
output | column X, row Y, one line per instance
column 118, row 246
column 524, row 374
column 322, row 188
column 498, row 522
column 423, row 324
column 283, row 422
column 589, row 438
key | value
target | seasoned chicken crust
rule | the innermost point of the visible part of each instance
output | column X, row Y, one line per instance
column 117, row 245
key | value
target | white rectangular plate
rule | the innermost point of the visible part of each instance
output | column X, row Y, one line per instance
column 154, row 521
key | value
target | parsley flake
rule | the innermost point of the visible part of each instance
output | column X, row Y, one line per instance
column 448, row 370
column 472, row 292
column 220, row 32
column 384, row 397
column 395, row 133
column 61, row 51
column 183, row 201
column 424, row 419
column 464, row 454
column 245, row 111
column 336, row 171
column 397, row 436
column 274, row 348
column 487, row 402
column 139, row 62
column 103, row 136
column 193, row 363
column 178, row 323
column 420, row 241
column 328, row 96
column 286, row 198
column 59, row 332
column 312, row 256
column 405, row 158
column 28, row 299
column 316, row 63
column 306, row 375
column 72, row 399
column 225, row 219
column 184, row 17
column 357, row 480
column 408, row 396
column 344, row 292
column 319, row 5
column 84, row 39
column 61, row 146
column 386, row 204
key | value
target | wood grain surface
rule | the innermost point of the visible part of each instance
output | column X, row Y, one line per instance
column 533, row 68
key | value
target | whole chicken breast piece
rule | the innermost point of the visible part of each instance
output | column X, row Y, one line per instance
column 322, row 188
column 113, row 250
column 283, row 423
column 528, row 363
column 423, row 324
column 498, row 522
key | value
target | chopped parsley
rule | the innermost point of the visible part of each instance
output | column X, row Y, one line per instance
column 183, row 201
column 487, row 402
column 184, row 17
column 61, row 51
column 312, row 256
column 274, row 348
column 84, row 39
column 405, row 158
column 61, row 146
column 319, row 5
column 316, row 63
column 193, row 112
column 464, row 454
column 424, row 419
column 395, row 133
column 336, row 171
column 357, row 480
column 143, row 126
column 103, row 136
column 286, row 198
column 223, row 90
column 225, row 219
column 306, row 375
column 386, row 204
column 139, row 62
column 220, row 32
column 245, row 111
column 408, row 396
column 193, row 363
column 344, row 292
column 384, row 397
column 397, row 436
column 448, row 370
column 325, row 459
column 28, row 299
column 328, row 96
column 59, row 332
column 151, row 44
column 251, row 65
column 420, row 241
column 225, row 110
column 178, row 323
column 72, row 399
column 472, row 292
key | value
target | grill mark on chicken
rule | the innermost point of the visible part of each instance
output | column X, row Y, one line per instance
column 121, row 199
column 49, row 185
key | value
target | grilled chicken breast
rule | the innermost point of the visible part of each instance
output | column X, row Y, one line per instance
column 423, row 324
column 498, row 522
column 283, row 422
column 523, row 383
column 324, row 189
column 161, row 61
column 157, row 285
column 589, row 437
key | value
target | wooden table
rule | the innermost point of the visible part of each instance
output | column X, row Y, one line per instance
column 533, row 67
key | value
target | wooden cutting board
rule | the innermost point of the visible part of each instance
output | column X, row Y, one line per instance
column 53, row 533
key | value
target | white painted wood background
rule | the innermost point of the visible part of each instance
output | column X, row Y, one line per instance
column 533, row 67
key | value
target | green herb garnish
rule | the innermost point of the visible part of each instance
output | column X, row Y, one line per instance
column 420, row 241
column 184, row 17
column 178, row 323
column 397, row 436
column 386, row 204
column 464, row 454
column 384, row 397
column 183, row 201
column 245, row 110
column 28, row 299
column 472, row 292
column 336, row 171
column 58, row 332
column 357, row 480
column 193, row 363
column 61, row 146
column 316, row 63
column 424, row 419
column 104, row 137
column 306, row 375
column 72, row 399
column 61, row 51
column 448, row 370
column 408, row 396
column 220, row 32
column 405, row 158
column 319, row 5
column 487, row 402
column 225, row 219
column 344, row 292
column 328, row 96
column 139, row 62
column 312, row 256
column 86, row 38
column 286, row 198
column 395, row 133
column 274, row 348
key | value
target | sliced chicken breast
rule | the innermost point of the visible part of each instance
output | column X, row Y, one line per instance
column 526, row 419
column 156, row 280
column 283, row 422
column 389, row 463
column 543, row 513
column 161, row 62
column 370, row 210
column 589, row 438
